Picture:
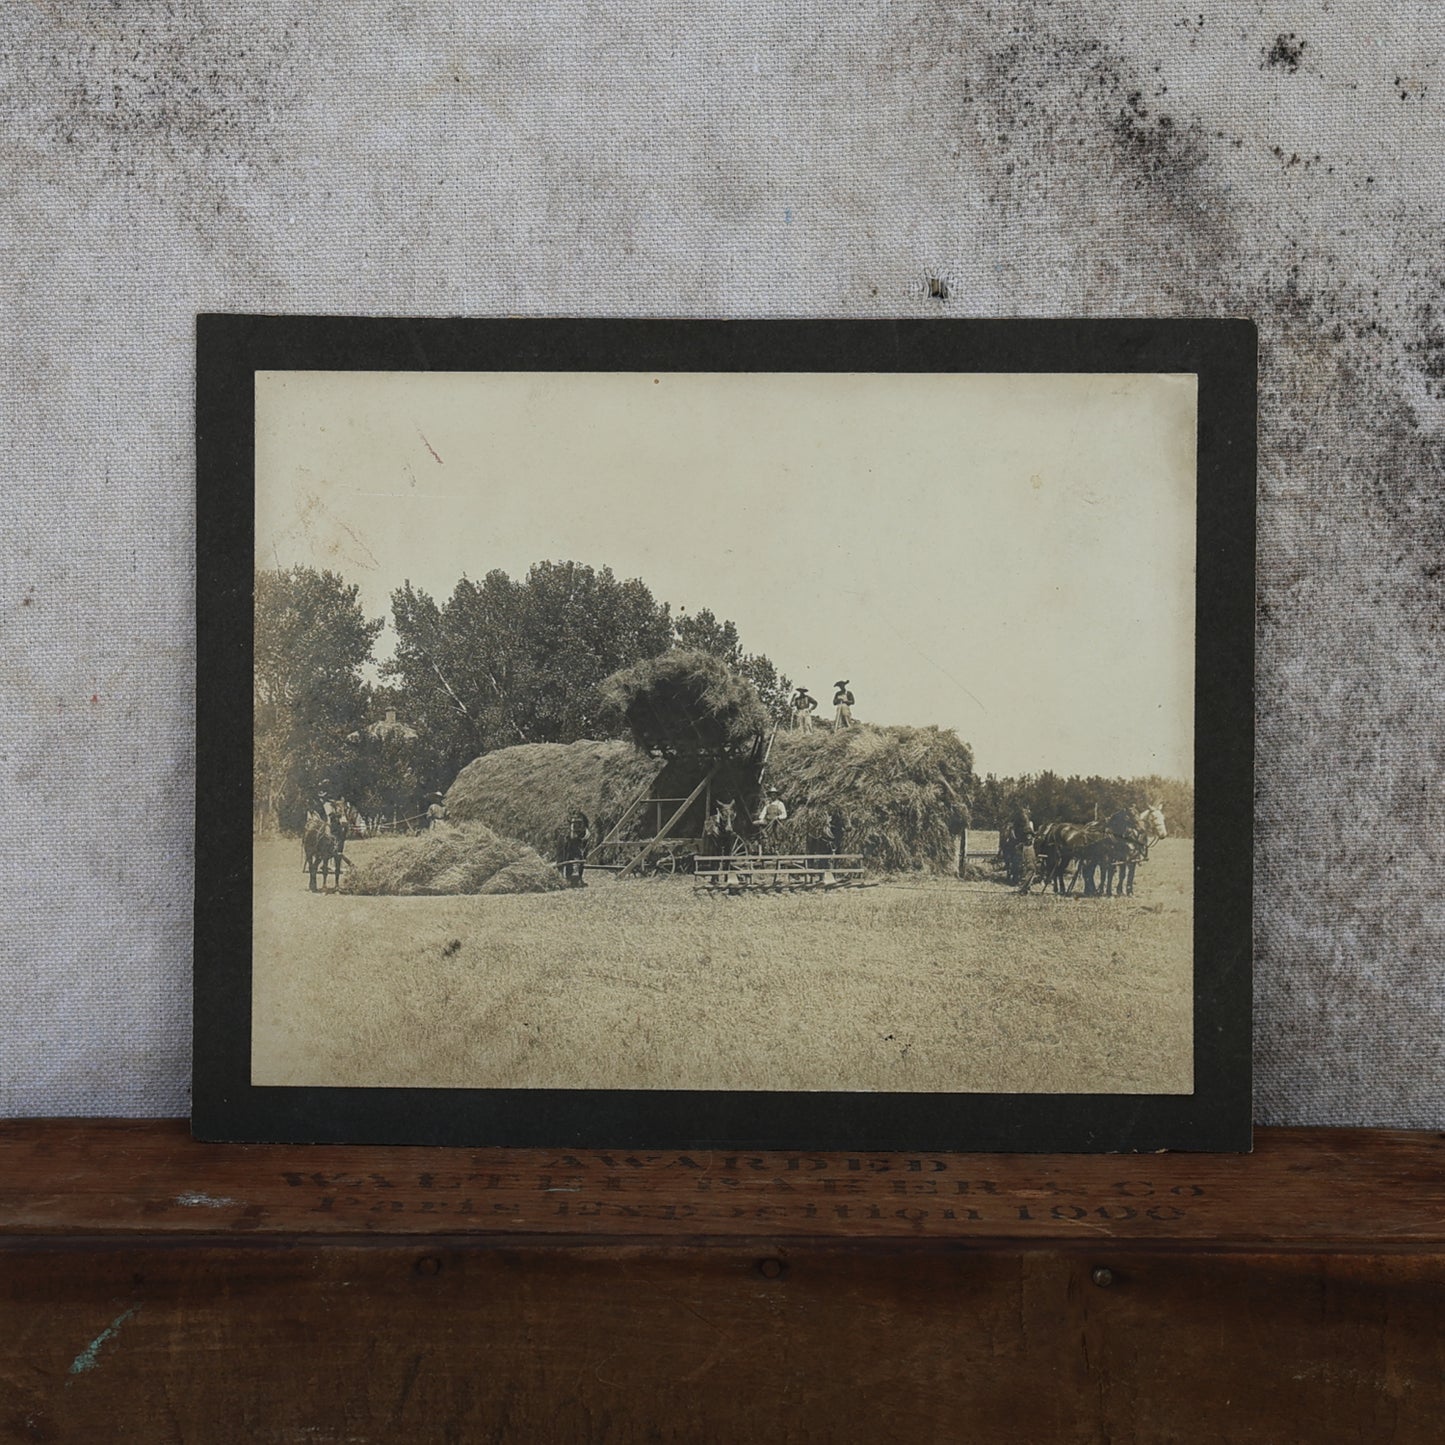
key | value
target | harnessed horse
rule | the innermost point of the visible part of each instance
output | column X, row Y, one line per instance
column 1137, row 831
column 735, row 832
column 323, row 843
column 1059, row 845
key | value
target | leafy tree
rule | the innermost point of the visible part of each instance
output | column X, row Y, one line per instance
column 505, row 662
column 502, row 662
column 382, row 778
column 311, row 641
column 580, row 626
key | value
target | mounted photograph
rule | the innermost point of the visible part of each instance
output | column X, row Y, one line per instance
column 638, row 743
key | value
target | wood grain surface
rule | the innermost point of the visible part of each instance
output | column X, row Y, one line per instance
column 152, row 1289
column 1300, row 1188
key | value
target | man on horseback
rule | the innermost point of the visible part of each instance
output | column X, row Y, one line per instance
column 323, row 840
column 328, row 808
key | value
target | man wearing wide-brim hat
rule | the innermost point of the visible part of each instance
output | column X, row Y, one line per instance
column 843, row 703
column 804, row 705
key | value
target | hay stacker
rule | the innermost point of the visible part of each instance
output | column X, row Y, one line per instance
column 662, row 852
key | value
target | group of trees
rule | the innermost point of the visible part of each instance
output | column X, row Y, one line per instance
column 1077, row 799
column 505, row 661
column 501, row 661
column 312, row 641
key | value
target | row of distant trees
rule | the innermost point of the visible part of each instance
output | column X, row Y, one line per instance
column 501, row 661
column 1050, row 797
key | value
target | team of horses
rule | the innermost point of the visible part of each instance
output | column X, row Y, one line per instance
column 1103, row 854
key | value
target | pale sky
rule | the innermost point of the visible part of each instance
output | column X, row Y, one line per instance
column 1010, row 556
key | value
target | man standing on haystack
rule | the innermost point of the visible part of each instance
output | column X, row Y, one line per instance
column 574, row 848
column 804, row 706
column 843, row 702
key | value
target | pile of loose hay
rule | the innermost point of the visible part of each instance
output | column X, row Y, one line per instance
column 529, row 792
column 685, row 701
column 902, row 794
column 451, row 858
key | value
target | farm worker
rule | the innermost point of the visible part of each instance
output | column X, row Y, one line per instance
column 1017, row 834
column 574, row 848
column 327, row 807
column 436, row 811
column 804, row 706
column 843, row 701
column 774, row 810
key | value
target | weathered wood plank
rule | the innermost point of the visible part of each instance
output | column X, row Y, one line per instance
column 1301, row 1189
column 158, row 1290
column 822, row 1341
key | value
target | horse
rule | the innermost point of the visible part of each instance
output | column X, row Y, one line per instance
column 1060, row 845
column 732, row 830
column 1138, row 830
column 323, row 842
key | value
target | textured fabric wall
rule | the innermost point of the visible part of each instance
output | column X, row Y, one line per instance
column 1282, row 162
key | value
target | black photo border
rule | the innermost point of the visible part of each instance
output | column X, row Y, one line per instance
column 1216, row 1116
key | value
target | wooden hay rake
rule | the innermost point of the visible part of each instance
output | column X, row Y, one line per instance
column 778, row 872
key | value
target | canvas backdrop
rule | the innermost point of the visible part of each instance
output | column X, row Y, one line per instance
column 870, row 159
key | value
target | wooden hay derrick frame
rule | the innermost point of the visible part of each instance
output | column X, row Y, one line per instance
column 663, row 858
column 663, row 851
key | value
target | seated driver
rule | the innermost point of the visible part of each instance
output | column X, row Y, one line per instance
column 775, row 811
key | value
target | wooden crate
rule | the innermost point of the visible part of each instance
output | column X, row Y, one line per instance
column 159, row 1290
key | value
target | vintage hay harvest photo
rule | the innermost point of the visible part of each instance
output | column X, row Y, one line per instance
column 710, row 731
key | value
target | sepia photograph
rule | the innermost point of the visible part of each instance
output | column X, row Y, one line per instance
column 646, row 730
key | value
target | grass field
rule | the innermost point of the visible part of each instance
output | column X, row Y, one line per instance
column 924, row 984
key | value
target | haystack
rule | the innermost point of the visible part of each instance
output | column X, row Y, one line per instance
column 901, row 794
column 685, row 702
column 529, row 792
column 454, row 858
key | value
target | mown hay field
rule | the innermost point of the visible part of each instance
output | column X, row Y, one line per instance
column 922, row 984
